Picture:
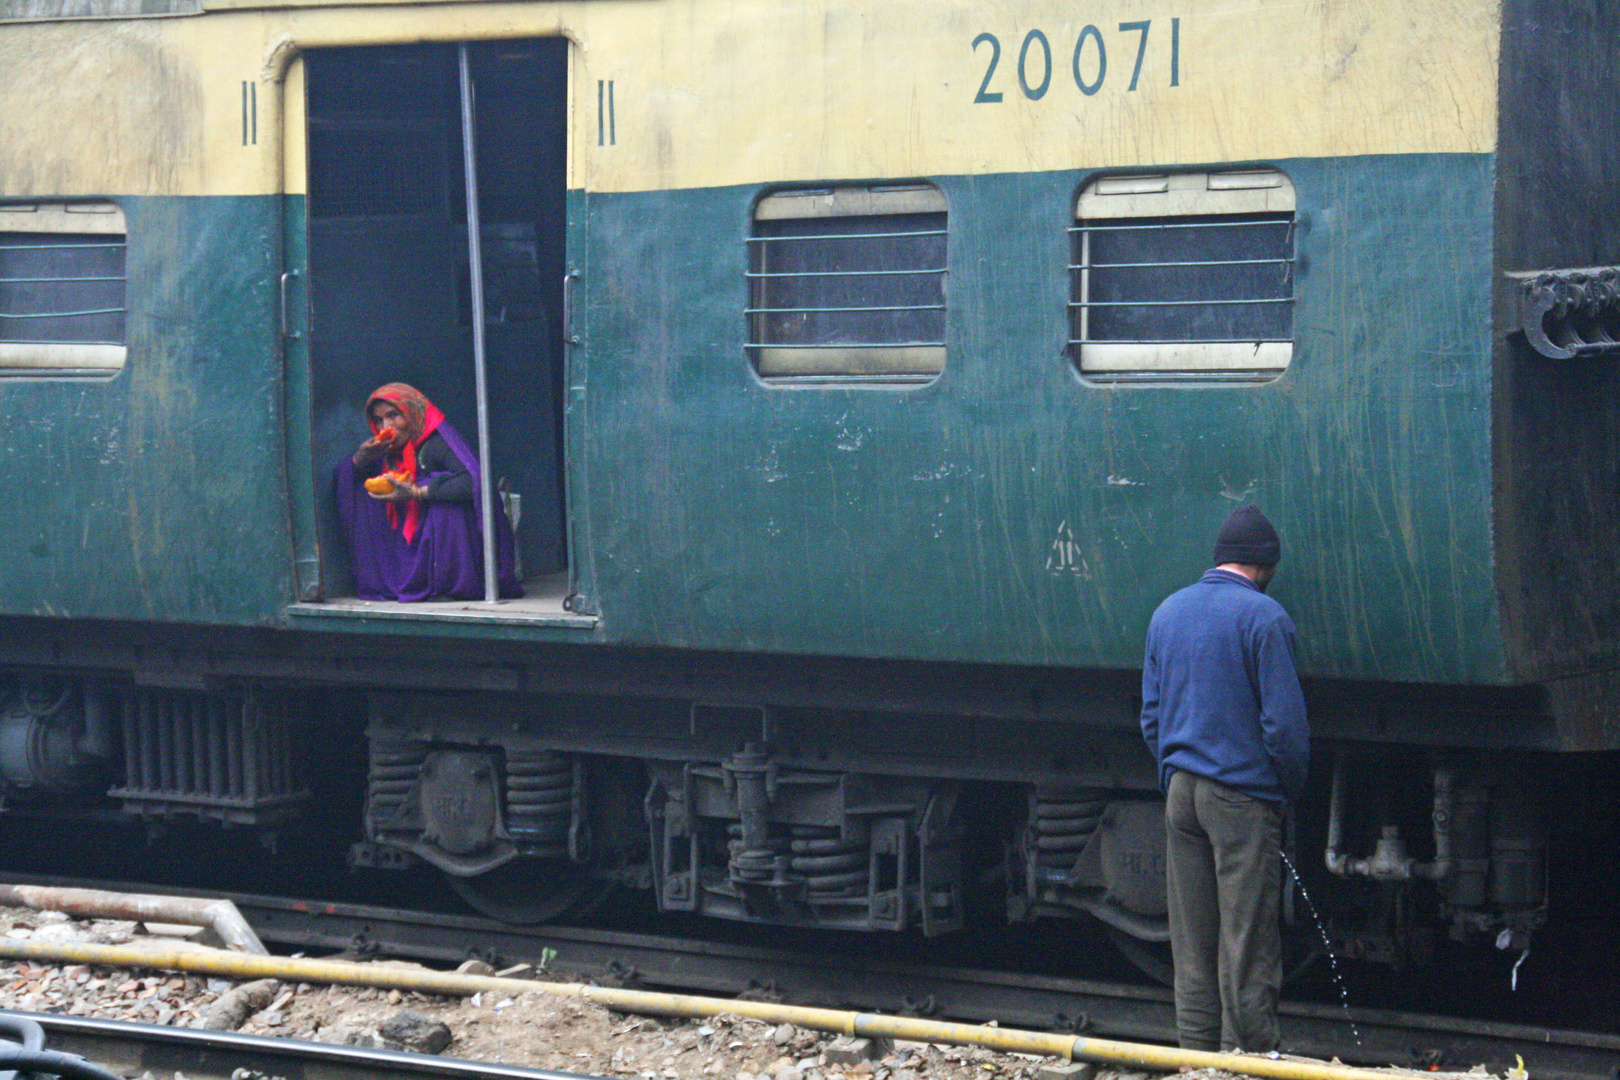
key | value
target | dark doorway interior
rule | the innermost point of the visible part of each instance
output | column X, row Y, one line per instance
column 389, row 284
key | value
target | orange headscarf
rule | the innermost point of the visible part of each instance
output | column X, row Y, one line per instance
column 423, row 418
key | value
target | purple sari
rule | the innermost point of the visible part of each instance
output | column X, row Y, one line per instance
column 445, row 560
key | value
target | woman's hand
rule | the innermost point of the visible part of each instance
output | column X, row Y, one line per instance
column 375, row 447
column 402, row 493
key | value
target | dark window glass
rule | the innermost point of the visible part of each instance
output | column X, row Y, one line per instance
column 850, row 281
column 61, row 288
column 1210, row 278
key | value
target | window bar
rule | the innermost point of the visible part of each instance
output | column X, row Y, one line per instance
column 52, row 280
column 29, row 341
column 847, row 345
column 844, row 236
column 1184, row 341
column 1085, row 282
column 1183, row 225
column 1292, row 241
column 1176, row 303
column 841, row 273
column 1210, row 262
column 839, row 310
column 60, row 247
column 61, row 314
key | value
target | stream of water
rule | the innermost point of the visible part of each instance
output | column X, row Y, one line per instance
column 1327, row 947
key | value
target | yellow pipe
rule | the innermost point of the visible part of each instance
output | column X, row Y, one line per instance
column 1011, row 1040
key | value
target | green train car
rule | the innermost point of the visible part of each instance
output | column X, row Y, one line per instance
column 859, row 376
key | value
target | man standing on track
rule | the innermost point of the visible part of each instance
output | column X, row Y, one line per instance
column 1223, row 714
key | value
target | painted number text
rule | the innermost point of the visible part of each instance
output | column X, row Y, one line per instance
column 1088, row 64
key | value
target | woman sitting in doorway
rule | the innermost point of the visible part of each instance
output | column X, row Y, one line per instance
column 417, row 535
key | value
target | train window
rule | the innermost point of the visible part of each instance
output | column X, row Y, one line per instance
column 847, row 284
column 1183, row 277
column 61, row 289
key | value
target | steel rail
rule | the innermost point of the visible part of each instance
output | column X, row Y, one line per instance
column 1091, row 1007
column 131, row 1049
column 1386, row 1037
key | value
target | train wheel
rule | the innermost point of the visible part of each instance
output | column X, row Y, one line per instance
column 1151, row 958
column 525, row 893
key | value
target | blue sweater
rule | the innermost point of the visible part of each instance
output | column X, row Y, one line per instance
column 1220, row 696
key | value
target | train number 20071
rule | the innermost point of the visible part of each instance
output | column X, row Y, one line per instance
column 1090, row 59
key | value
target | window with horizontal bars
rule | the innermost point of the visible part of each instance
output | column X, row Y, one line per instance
column 62, row 288
column 848, row 284
column 1183, row 277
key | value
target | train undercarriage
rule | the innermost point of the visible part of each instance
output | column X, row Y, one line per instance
column 532, row 805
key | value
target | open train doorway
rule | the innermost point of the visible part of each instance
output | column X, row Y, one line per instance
column 392, row 276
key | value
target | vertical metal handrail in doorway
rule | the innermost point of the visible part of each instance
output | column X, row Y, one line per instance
column 475, row 262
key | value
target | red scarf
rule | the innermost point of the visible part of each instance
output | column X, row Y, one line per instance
column 422, row 419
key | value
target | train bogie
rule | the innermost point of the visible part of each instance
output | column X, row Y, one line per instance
column 747, row 839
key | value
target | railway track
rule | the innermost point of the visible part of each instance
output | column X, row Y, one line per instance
column 1107, row 1009
column 135, row 1049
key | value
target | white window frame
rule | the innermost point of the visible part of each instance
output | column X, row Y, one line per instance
column 906, row 362
column 57, row 358
column 1232, row 193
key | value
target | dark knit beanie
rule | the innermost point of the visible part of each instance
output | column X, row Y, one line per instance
column 1248, row 538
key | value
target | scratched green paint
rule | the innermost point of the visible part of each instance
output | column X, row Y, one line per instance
column 1008, row 512
column 158, row 494
column 920, row 522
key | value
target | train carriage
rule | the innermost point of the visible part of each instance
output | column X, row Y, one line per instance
column 858, row 377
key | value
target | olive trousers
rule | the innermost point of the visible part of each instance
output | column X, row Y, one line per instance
column 1223, row 872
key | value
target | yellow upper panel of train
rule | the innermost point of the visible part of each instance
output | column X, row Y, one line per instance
column 701, row 93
